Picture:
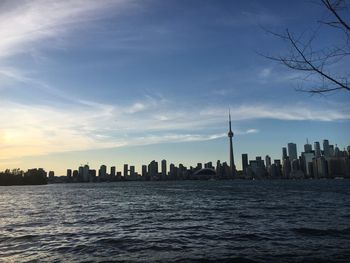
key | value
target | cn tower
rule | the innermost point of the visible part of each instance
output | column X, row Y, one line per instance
column 230, row 135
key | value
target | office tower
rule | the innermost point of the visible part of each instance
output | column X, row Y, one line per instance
column 144, row 171
column 259, row 161
column 75, row 175
column 317, row 149
column 103, row 171
column 292, row 151
column 112, row 171
column 164, row 172
column 153, row 169
column 268, row 161
column 219, row 171
column 307, row 147
column 286, row 167
column 230, row 135
column 86, row 173
column 284, row 153
column 336, row 151
column 307, row 158
column 326, row 151
column 69, row 173
column 244, row 161
column 126, row 170
column 331, row 150
column 172, row 171
column 92, row 175
column 132, row 172
column 81, row 173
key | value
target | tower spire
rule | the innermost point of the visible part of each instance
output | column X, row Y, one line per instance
column 230, row 135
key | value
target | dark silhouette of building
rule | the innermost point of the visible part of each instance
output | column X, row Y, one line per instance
column 244, row 162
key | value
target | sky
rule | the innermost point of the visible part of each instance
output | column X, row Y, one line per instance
column 123, row 81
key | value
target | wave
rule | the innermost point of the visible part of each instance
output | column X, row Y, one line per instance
column 305, row 231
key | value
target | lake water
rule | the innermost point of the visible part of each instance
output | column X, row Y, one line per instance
column 239, row 221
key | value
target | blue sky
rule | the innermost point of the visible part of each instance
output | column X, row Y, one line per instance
column 132, row 81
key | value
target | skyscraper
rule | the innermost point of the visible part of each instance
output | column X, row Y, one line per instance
column 326, row 151
column 317, row 149
column 284, row 153
column 112, row 171
column 307, row 147
column 164, row 172
column 267, row 161
column 230, row 135
column 244, row 161
column 292, row 151
column 103, row 171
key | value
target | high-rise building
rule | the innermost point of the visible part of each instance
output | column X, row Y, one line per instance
column 331, row 150
column 267, row 161
column 317, row 149
column 230, row 135
column 307, row 147
column 86, row 175
column 126, row 171
column 284, row 153
column 153, row 170
column 326, row 151
column 103, row 171
column 244, row 161
column 81, row 173
column 112, row 171
column 164, row 172
column 132, row 172
column 286, row 168
column 292, row 151
column 307, row 158
column 144, row 171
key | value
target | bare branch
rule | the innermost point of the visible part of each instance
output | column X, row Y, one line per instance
column 318, row 63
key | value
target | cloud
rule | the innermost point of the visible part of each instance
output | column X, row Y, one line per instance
column 24, row 23
column 36, row 129
column 264, row 73
column 252, row 131
column 294, row 112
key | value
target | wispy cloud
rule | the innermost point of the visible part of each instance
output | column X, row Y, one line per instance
column 32, row 130
column 24, row 23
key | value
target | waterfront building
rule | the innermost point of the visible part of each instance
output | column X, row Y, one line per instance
column 69, row 173
column 284, row 153
column 113, row 169
column 144, row 171
column 317, row 149
column 103, row 171
column 244, row 162
column 268, row 161
column 126, row 170
column 164, row 170
column 153, row 170
column 292, row 151
column 286, row 168
column 86, row 173
column 307, row 147
column 326, row 150
column 307, row 158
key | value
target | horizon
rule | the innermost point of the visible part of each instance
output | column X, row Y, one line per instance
column 117, row 81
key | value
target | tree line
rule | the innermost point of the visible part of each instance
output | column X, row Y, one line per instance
column 19, row 177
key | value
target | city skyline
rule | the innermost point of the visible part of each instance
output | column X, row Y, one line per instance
column 118, row 81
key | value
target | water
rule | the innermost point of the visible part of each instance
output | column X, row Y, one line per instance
column 240, row 221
